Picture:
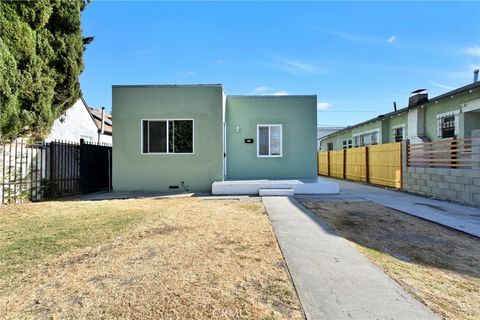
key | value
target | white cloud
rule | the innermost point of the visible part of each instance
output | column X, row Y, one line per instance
column 352, row 37
column 295, row 66
column 323, row 106
column 443, row 86
column 392, row 39
column 348, row 36
column 472, row 51
column 464, row 75
column 262, row 90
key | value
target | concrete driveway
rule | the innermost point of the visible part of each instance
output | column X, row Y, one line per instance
column 333, row 280
column 453, row 215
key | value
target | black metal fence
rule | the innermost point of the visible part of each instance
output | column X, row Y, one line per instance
column 42, row 171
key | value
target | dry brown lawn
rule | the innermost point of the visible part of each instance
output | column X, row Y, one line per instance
column 183, row 258
column 439, row 266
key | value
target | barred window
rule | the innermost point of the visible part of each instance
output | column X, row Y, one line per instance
column 447, row 126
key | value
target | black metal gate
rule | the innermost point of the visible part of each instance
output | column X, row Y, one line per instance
column 95, row 167
column 42, row 171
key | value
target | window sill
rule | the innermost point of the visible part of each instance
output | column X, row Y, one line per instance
column 280, row 156
column 164, row 153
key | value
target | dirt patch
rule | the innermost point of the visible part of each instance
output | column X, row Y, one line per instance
column 439, row 266
column 185, row 259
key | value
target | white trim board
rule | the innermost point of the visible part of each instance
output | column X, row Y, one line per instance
column 269, row 125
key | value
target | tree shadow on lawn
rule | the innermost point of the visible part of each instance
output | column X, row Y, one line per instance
column 402, row 236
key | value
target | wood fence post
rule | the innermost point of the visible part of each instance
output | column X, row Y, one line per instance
column 344, row 163
column 403, row 160
column 328, row 163
column 367, row 180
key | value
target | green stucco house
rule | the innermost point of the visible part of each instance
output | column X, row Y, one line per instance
column 186, row 137
column 454, row 114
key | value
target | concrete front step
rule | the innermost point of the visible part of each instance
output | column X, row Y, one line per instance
column 251, row 187
column 276, row 192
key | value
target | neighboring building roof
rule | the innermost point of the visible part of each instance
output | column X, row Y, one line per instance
column 324, row 131
column 97, row 118
column 430, row 101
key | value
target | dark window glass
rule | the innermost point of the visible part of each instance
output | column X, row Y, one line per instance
column 157, row 136
column 330, row 146
column 448, row 127
column 398, row 134
column 181, row 136
column 263, row 141
column 145, row 136
column 179, row 140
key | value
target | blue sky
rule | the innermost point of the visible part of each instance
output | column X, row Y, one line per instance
column 358, row 57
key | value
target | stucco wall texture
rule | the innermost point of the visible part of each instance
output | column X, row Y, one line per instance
column 77, row 124
column 210, row 109
column 296, row 114
column 134, row 171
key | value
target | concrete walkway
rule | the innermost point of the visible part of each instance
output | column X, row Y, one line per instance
column 333, row 280
column 453, row 215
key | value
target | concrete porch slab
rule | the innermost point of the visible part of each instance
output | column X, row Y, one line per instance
column 251, row 187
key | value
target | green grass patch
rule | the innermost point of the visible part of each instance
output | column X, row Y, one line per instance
column 31, row 232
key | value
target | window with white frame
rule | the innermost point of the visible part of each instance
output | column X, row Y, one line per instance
column 347, row 143
column 356, row 141
column 167, row 136
column 374, row 137
column 269, row 140
column 366, row 138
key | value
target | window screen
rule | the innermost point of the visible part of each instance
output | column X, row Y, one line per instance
column 275, row 140
column 180, row 136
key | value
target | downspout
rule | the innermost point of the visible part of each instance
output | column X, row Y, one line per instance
column 102, row 126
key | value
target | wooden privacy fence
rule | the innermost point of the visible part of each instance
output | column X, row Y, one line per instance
column 455, row 153
column 378, row 164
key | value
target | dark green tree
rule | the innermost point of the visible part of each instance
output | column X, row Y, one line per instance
column 41, row 50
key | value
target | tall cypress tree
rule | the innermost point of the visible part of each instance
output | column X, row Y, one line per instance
column 41, row 50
